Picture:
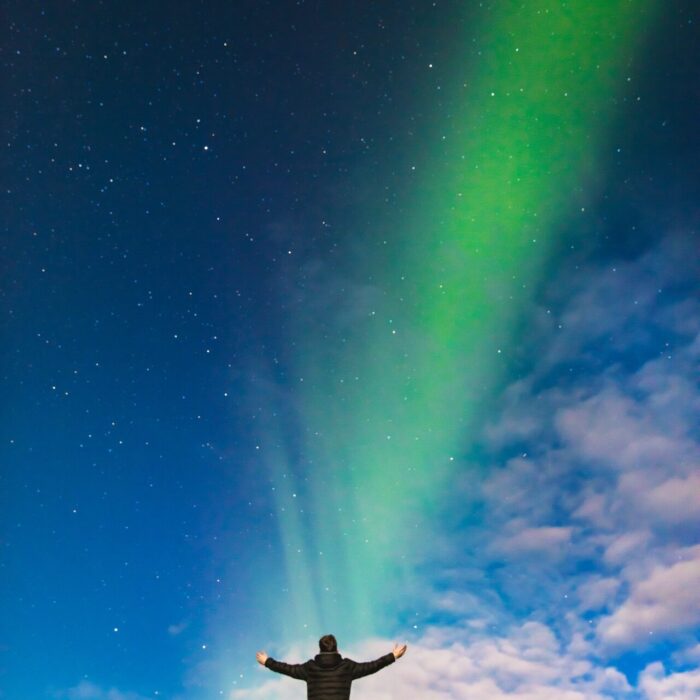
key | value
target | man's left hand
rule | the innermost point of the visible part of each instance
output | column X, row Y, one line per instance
column 399, row 651
column 261, row 656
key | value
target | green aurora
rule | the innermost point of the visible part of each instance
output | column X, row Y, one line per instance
column 389, row 393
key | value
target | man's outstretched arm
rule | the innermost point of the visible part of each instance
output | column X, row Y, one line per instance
column 366, row 668
column 294, row 670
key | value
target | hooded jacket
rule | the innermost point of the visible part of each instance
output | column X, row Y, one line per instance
column 328, row 675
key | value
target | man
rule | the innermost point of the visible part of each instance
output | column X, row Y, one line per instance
column 328, row 675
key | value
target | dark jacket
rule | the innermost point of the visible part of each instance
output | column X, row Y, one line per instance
column 328, row 675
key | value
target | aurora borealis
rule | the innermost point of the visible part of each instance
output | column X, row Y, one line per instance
column 392, row 397
column 378, row 320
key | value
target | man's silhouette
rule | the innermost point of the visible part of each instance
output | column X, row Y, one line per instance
column 328, row 675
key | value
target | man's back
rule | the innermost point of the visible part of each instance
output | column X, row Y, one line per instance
column 328, row 675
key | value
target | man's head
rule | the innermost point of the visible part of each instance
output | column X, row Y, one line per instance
column 328, row 643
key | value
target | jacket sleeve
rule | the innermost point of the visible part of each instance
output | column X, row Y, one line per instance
column 366, row 668
column 294, row 670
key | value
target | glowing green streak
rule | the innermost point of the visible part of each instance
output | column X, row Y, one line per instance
column 296, row 561
column 386, row 411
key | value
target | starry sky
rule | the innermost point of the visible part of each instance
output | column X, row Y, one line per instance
column 379, row 319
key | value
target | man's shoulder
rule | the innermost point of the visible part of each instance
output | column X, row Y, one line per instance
column 313, row 663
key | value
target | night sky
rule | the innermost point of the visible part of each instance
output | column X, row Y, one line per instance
column 379, row 319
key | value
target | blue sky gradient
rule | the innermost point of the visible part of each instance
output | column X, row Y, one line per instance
column 185, row 190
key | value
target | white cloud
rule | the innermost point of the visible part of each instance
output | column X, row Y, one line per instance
column 620, row 548
column 545, row 541
column 661, row 604
column 597, row 592
column 656, row 684
column 617, row 431
column 85, row 690
column 458, row 602
column 675, row 500
column 688, row 655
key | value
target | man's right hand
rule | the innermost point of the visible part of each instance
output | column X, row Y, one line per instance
column 399, row 651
